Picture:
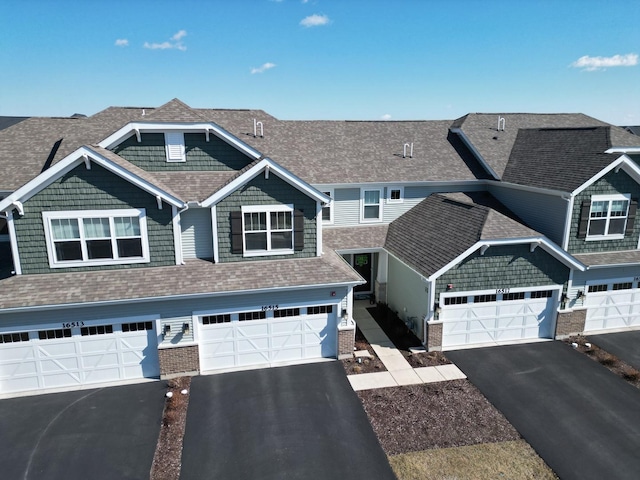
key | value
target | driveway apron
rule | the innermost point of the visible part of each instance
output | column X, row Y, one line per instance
column 624, row 345
column 109, row 433
column 295, row 422
column 581, row 419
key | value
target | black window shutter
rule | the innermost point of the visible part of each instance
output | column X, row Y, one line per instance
column 631, row 217
column 298, row 230
column 584, row 218
column 236, row 232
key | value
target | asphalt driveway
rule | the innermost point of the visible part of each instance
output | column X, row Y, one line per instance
column 109, row 433
column 581, row 419
column 624, row 345
column 297, row 422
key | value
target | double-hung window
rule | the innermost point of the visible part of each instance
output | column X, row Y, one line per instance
column 96, row 237
column 327, row 210
column 267, row 229
column 371, row 210
column 608, row 216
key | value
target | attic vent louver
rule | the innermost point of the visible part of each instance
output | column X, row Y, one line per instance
column 257, row 124
column 501, row 123
column 405, row 147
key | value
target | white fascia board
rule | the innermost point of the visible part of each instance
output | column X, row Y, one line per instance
column 628, row 150
column 148, row 127
column 476, row 153
column 274, row 168
column 543, row 242
column 186, row 296
column 69, row 163
column 623, row 162
column 459, row 185
column 527, row 188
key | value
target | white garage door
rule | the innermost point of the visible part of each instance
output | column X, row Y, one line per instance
column 497, row 317
column 611, row 306
column 267, row 337
column 77, row 354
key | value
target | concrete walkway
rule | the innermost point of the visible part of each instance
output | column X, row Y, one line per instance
column 399, row 372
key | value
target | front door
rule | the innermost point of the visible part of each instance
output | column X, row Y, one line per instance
column 363, row 264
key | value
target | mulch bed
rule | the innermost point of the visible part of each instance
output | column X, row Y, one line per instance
column 167, row 460
column 366, row 365
column 608, row 360
column 404, row 339
column 437, row 415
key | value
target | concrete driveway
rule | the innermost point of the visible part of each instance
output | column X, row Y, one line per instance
column 581, row 419
column 109, row 433
column 624, row 345
column 297, row 422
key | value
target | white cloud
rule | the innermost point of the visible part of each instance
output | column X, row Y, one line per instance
column 314, row 20
column 174, row 43
column 591, row 64
column 263, row 68
column 122, row 42
column 386, row 116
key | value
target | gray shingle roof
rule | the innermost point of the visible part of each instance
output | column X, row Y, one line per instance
column 194, row 186
column 347, row 238
column 174, row 111
column 610, row 258
column 495, row 146
column 197, row 277
column 6, row 122
column 441, row 227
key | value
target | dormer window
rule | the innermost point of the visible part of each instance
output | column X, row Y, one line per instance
column 174, row 146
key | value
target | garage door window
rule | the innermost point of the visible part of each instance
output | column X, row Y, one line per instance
column 137, row 326
column 51, row 334
column 622, row 286
column 542, row 294
column 245, row 316
column 484, row 298
column 320, row 309
column 513, row 296
column 213, row 319
column 96, row 330
column 598, row 288
column 286, row 312
column 455, row 300
column 14, row 337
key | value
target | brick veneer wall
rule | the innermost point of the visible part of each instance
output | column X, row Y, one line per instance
column 174, row 361
column 346, row 342
column 570, row 322
column 434, row 337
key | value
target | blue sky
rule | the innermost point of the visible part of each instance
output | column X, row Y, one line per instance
column 324, row 59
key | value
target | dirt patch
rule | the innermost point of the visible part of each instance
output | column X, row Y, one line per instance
column 437, row 415
column 354, row 366
column 167, row 460
column 606, row 359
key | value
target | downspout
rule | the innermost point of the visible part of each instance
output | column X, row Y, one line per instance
column 431, row 315
column 567, row 222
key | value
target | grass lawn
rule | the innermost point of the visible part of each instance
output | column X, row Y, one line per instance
column 509, row 460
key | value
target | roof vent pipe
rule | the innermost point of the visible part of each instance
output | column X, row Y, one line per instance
column 257, row 124
column 501, row 123
column 408, row 146
column 143, row 112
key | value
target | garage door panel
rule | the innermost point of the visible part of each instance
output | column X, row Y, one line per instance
column 18, row 353
column 13, row 368
column 60, row 379
column 88, row 347
column 59, row 364
column 100, row 361
column 612, row 309
column 293, row 340
column 57, row 348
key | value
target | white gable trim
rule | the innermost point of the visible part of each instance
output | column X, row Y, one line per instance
column 623, row 162
column 543, row 242
column 139, row 127
column 628, row 150
column 268, row 165
column 72, row 161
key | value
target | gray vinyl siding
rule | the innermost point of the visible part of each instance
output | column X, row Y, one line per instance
column 214, row 155
column 197, row 237
column 611, row 183
column 261, row 191
column 406, row 289
column 174, row 312
column 509, row 266
column 95, row 189
column 544, row 213
column 346, row 206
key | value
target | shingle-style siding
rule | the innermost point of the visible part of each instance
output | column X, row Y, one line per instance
column 95, row 189
column 509, row 266
column 214, row 155
column 545, row 213
column 611, row 183
column 261, row 191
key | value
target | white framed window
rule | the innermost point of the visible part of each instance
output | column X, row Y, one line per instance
column 395, row 194
column 96, row 237
column 608, row 217
column 371, row 205
column 174, row 146
column 327, row 210
column 267, row 230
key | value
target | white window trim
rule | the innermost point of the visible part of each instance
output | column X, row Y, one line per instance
column 174, row 141
column 330, row 206
column 80, row 214
column 390, row 200
column 609, row 198
column 268, row 209
column 362, row 205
